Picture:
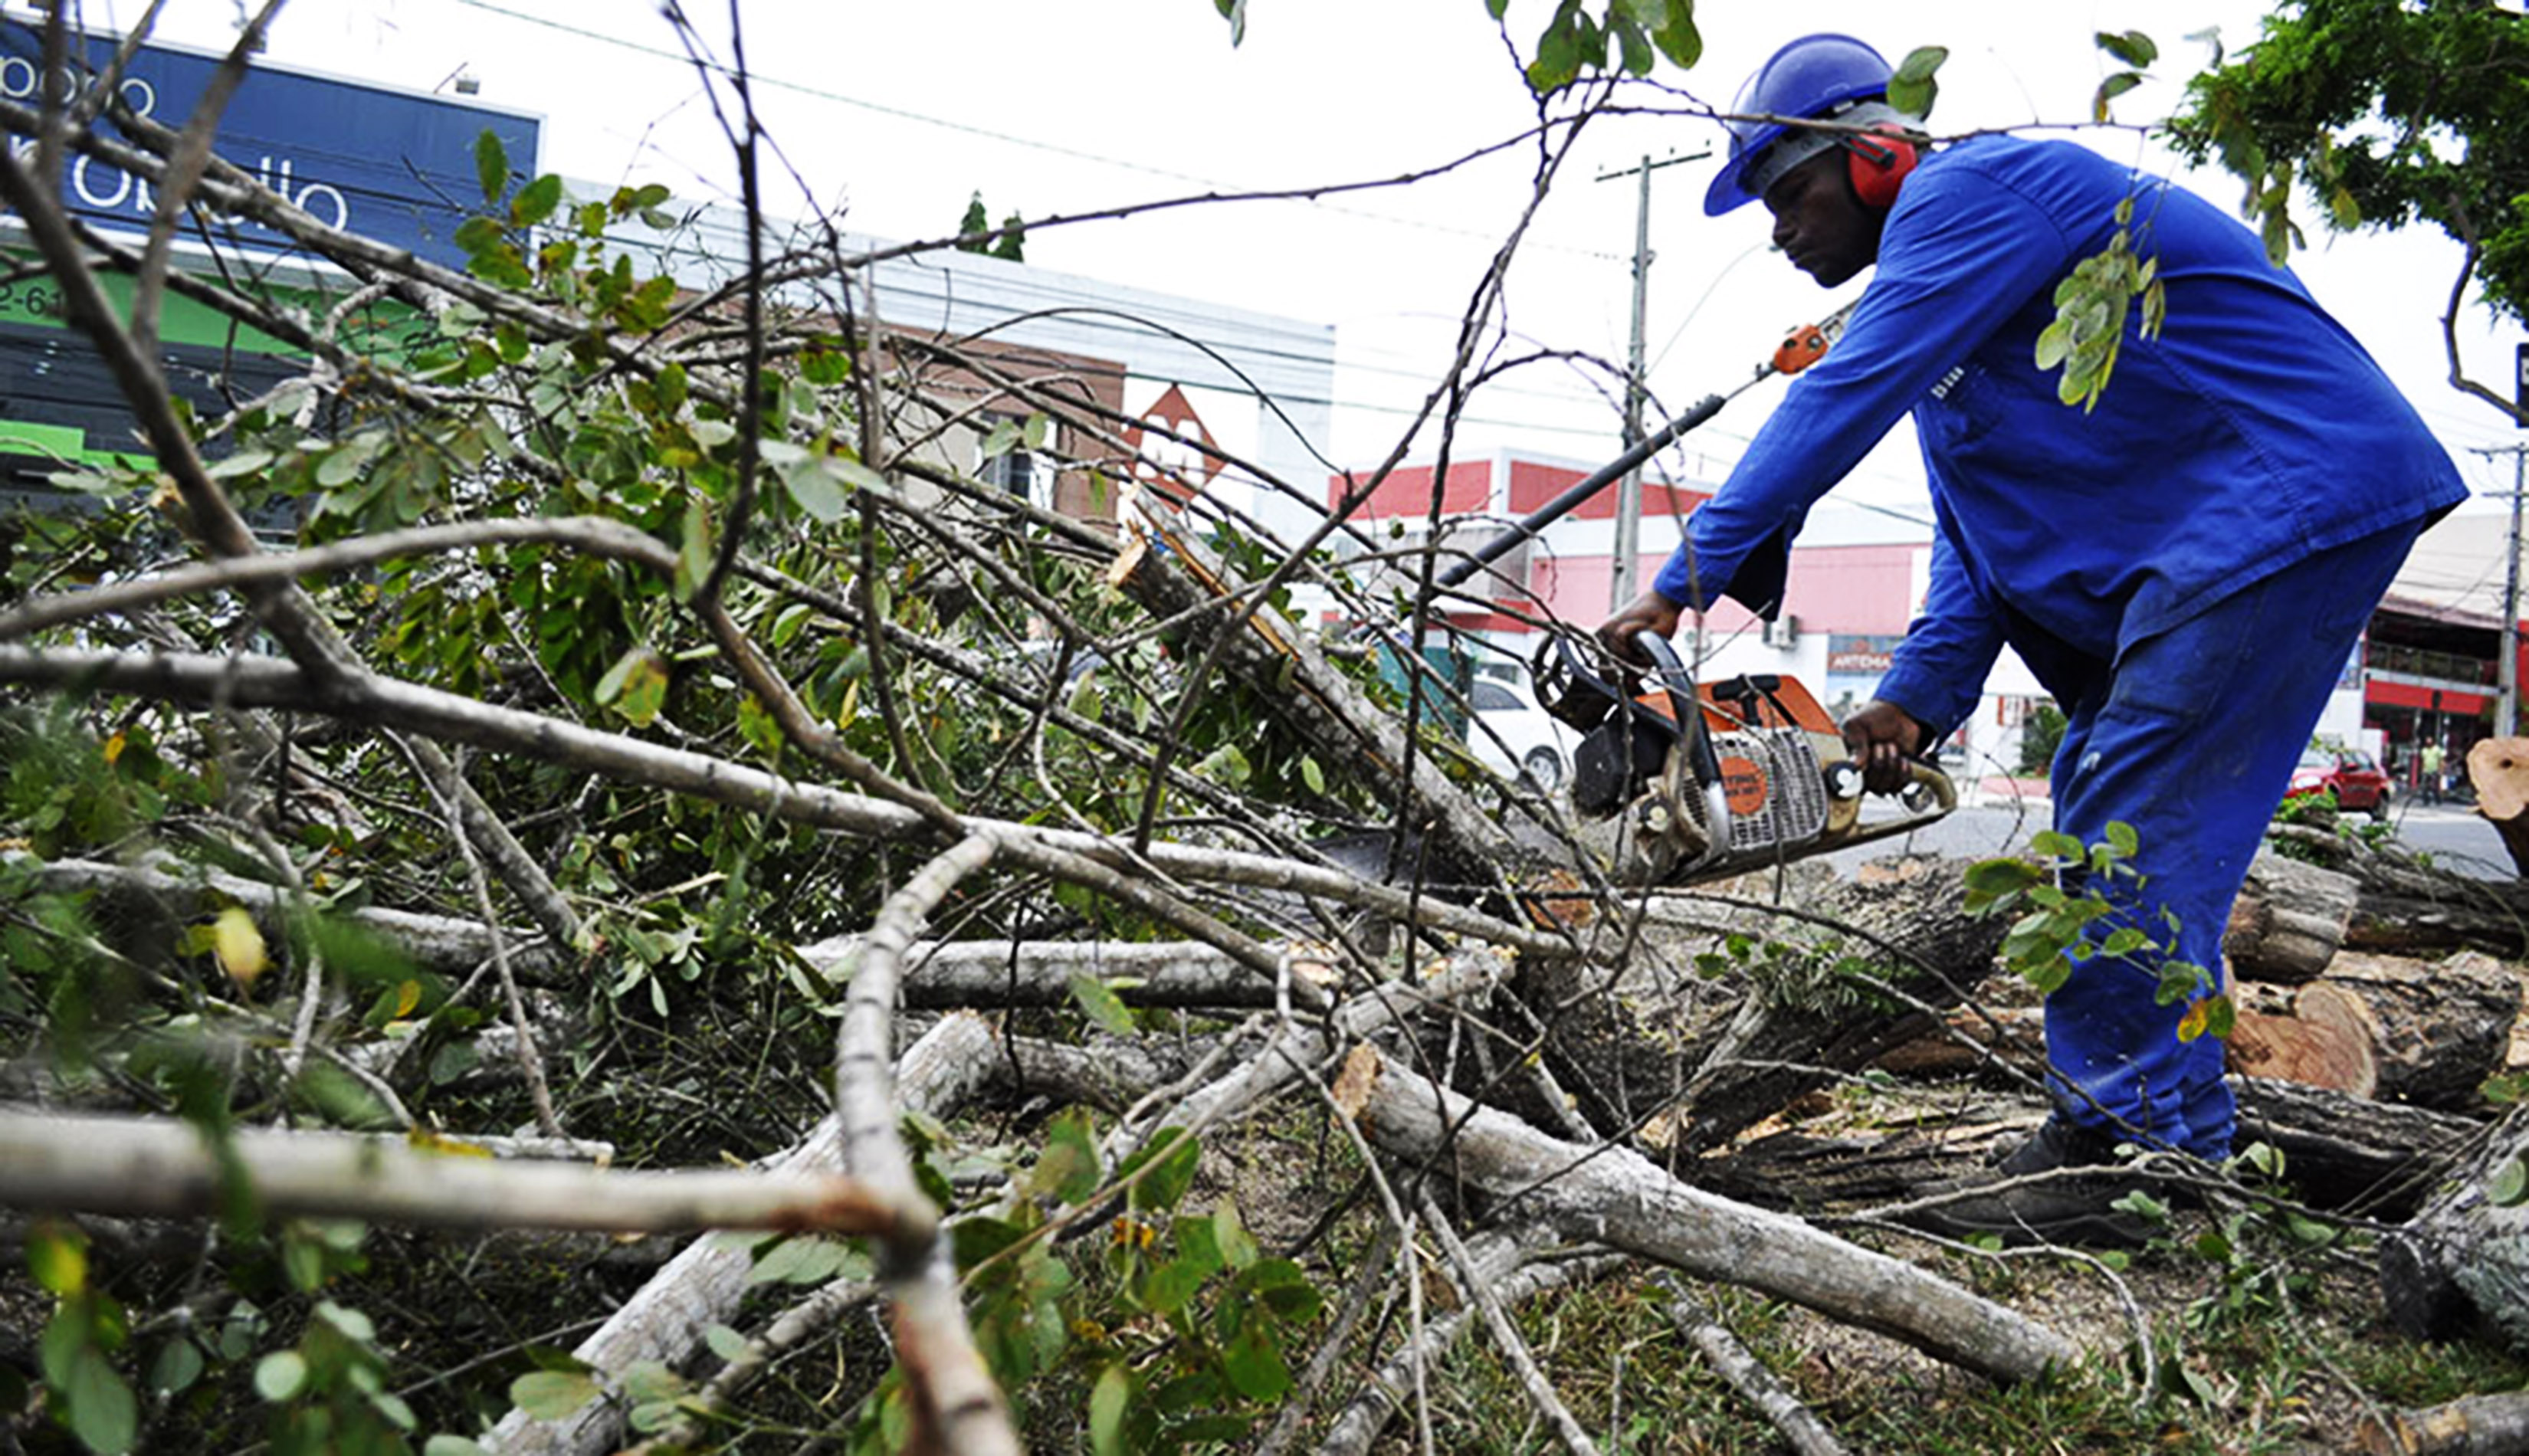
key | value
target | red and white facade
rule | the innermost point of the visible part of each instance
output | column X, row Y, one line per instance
column 1857, row 580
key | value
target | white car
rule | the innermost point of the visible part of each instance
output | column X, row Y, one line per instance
column 1516, row 738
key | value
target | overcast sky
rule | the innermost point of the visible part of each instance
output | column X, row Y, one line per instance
column 895, row 113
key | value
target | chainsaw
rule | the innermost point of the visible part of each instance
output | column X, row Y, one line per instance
column 1698, row 782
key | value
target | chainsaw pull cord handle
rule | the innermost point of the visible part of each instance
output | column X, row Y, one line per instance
column 1677, row 680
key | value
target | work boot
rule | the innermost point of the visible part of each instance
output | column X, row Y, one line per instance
column 2073, row 1208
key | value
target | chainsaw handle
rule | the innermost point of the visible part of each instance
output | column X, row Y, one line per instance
column 1925, row 783
column 1930, row 778
column 1677, row 680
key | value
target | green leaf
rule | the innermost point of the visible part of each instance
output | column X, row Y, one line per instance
column 535, row 201
column 1998, row 876
column 1068, row 1167
column 2111, row 88
column 2221, row 1018
column 178, row 1366
column 2056, row 846
column 1234, row 11
column 1173, row 1285
column 2122, row 839
column 725, row 1342
column 2048, row 977
column 1176, row 1153
column 2142, row 1206
column 1915, row 86
column 2178, row 981
column 2134, row 47
column 1101, row 1005
column 694, row 556
column 977, row 1239
column 491, row 164
column 1238, row 1247
column 102, row 1411
column 57, row 1256
column 242, row 462
column 1109, row 1401
column 451, row 1446
column 1253, row 1359
column 636, row 686
column 2509, row 1186
column 281, row 1375
column 2053, row 344
column 1198, row 1243
column 552, row 1394
column 815, row 491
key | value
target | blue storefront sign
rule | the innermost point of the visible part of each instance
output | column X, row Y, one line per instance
column 387, row 164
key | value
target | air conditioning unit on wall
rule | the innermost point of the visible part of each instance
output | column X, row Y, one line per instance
column 1783, row 632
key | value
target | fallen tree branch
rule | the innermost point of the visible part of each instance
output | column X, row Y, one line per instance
column 996, row 973
column 203, row 680
column 1513, row 1266
column 1747, row 1374
column 958, row 1407
column 2477, row 1425
column 702, row 1286
column 150, row 1168
column 1617, row 1197
column 434, row 943
column 1474, row 1288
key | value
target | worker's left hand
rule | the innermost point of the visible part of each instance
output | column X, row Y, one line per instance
column 1648, row 613
column 1884, row 740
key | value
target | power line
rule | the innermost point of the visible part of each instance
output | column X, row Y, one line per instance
column 1004, row 139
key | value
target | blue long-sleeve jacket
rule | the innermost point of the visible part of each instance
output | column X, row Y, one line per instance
column 2250, row 433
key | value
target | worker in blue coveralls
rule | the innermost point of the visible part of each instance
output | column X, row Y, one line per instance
column 2185, row 567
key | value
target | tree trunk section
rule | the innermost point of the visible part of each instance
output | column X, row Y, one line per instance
column 2464, row 1261
column 2500, row 770
column 2340, row 1152
column 2288, row 920
column 1693, row 1063
column 2319, row 1034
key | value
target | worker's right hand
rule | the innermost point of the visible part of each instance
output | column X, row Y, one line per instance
column 1648, row 613
column 1884, row 740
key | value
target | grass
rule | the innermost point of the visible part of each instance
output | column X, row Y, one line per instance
column 2244, row 1366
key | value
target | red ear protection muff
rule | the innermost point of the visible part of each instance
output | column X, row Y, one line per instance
column 1879, row 163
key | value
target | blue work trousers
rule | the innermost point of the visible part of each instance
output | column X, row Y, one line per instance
column 2191, row 737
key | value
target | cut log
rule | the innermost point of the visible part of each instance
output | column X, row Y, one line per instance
column 1713, row 1059
column 2464, row 1261
column 2410, row 907
column 2340, row 1152
column 2385, row 1027
column 1970, row 1042
column 2288, row 920
column 2443, row 1027
column 2500, row 770
column 2321, row 1035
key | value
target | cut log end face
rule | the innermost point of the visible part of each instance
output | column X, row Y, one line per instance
column 2499, row 768
column 2321, row 1036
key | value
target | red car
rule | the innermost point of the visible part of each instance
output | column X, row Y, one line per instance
column 2358, row 781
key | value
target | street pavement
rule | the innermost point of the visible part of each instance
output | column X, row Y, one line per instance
column 2455, row 835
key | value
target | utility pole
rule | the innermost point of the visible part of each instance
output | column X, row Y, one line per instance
column 1629, row 491
column 2507, row 719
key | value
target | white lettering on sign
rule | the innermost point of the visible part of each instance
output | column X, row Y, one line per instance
column 20, row 76
column 108, row 187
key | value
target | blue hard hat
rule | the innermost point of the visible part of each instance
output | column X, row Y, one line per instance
column 1813, row 76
